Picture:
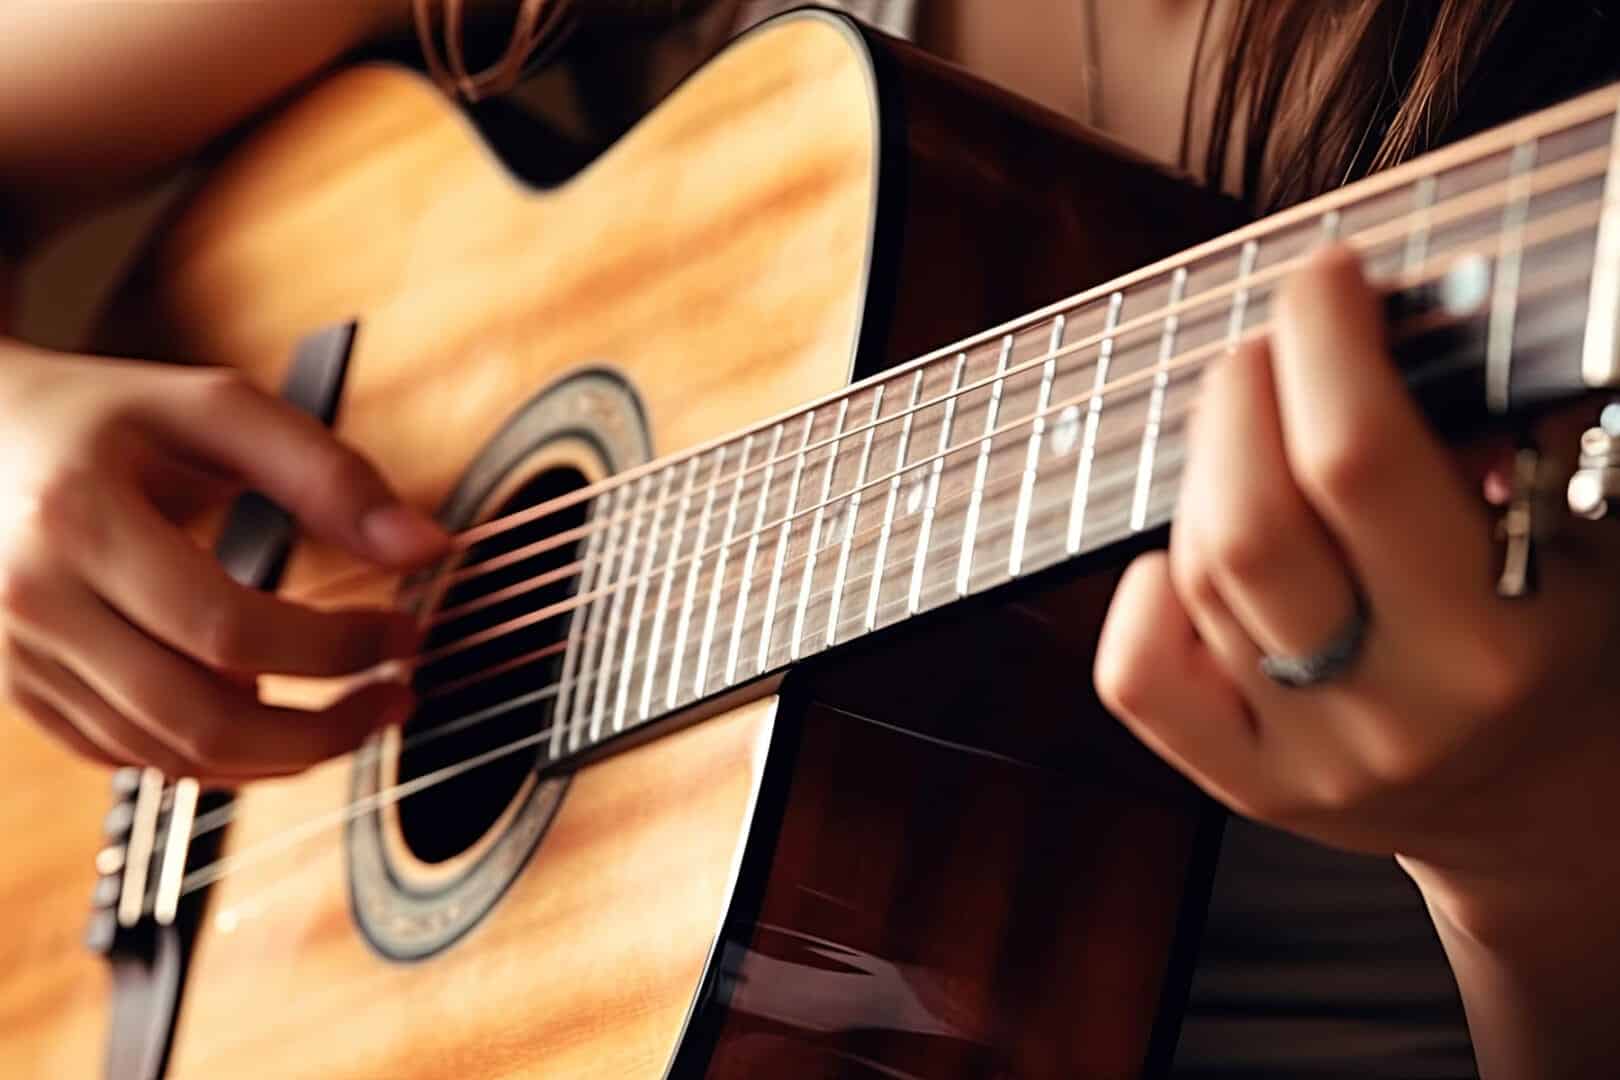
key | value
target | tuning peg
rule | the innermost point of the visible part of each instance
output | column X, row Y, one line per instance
column 1595, row 486
column 105, row 893
column 101, row 933
column 1523, row 522
column 119, row 820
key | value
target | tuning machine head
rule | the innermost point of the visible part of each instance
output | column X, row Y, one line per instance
column 1595, row 487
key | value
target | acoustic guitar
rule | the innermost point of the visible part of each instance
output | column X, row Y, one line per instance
column 756, row 735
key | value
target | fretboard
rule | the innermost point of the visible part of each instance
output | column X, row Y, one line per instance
column 1057, row 435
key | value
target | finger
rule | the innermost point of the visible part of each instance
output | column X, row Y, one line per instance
column 218, row 726
column 1157, row 676
column 1366, row 459
column 95, row 723
column 50, row 720
column 298, row 464
column 1204, row 604
column 154, row 575
column 1245, row 524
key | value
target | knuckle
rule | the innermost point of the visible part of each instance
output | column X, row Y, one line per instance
column 1396, row 762
column 221, row 637
column 63, row 508
column 339, row 477
column 24, row 596
column 1124, row 678
column 1347, row 469
column 207, row 747
column 1243, row 553
column 218, row 389
column 1193, row 576
column 1503, row 678
column 1341, row 790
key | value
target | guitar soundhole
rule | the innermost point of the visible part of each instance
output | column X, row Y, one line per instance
column 465, row 712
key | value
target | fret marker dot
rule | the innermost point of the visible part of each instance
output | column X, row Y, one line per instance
column 914, row 497
column 1466, row 285
column 1066, row 431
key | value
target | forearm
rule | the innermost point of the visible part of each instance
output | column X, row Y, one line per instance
column 1528, row 909
column 96, row 95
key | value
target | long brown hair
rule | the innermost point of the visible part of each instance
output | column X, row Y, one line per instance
column 1314, row 93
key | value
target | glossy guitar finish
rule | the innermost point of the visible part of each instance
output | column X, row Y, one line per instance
column 931, row 856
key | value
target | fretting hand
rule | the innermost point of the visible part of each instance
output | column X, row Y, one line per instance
column 1471, row 735
column 123, row 637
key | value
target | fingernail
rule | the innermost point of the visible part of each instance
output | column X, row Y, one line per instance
column 403, row 535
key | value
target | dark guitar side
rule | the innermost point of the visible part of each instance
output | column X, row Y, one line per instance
column 977, row 873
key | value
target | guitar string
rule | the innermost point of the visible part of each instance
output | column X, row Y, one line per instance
column 1572, row 221
column 206, row 823
column 1563, row 174
column 449, row 772
column 310, row 828
column 1128, row 442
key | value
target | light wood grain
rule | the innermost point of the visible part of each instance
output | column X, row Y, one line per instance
column 716, row 257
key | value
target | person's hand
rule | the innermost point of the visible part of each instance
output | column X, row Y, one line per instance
column 123, row 637
column 1473, row 736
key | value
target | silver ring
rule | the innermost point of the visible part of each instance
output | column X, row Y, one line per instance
column 1297, row 672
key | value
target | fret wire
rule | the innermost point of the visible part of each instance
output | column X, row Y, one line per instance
column 576, row 625
column 637, row 609
column 746, row 581
column 1161, row 380
column 920, row 559
column 815, row 530
column 1032, row 459
column 1504, row 299
column 668, row 584
column 1240, row 297
column 616, row 611
column 1600, row 351
column 852, row 510
column 1082, row 476
column 893, row 500
column 773, row 594
column 964, row 565
column 593, row 621
column 706, row 640
column 672, row 693
column 1417, row 240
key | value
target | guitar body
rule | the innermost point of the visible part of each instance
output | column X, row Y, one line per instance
column 873, row 867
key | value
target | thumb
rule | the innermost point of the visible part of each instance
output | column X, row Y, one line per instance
column 293, row 460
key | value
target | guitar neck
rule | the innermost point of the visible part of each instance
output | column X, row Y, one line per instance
column 1064, row 432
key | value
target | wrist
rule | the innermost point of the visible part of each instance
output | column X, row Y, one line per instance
column 1535, row 963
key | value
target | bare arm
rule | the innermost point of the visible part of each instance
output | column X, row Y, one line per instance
column 96, row 95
